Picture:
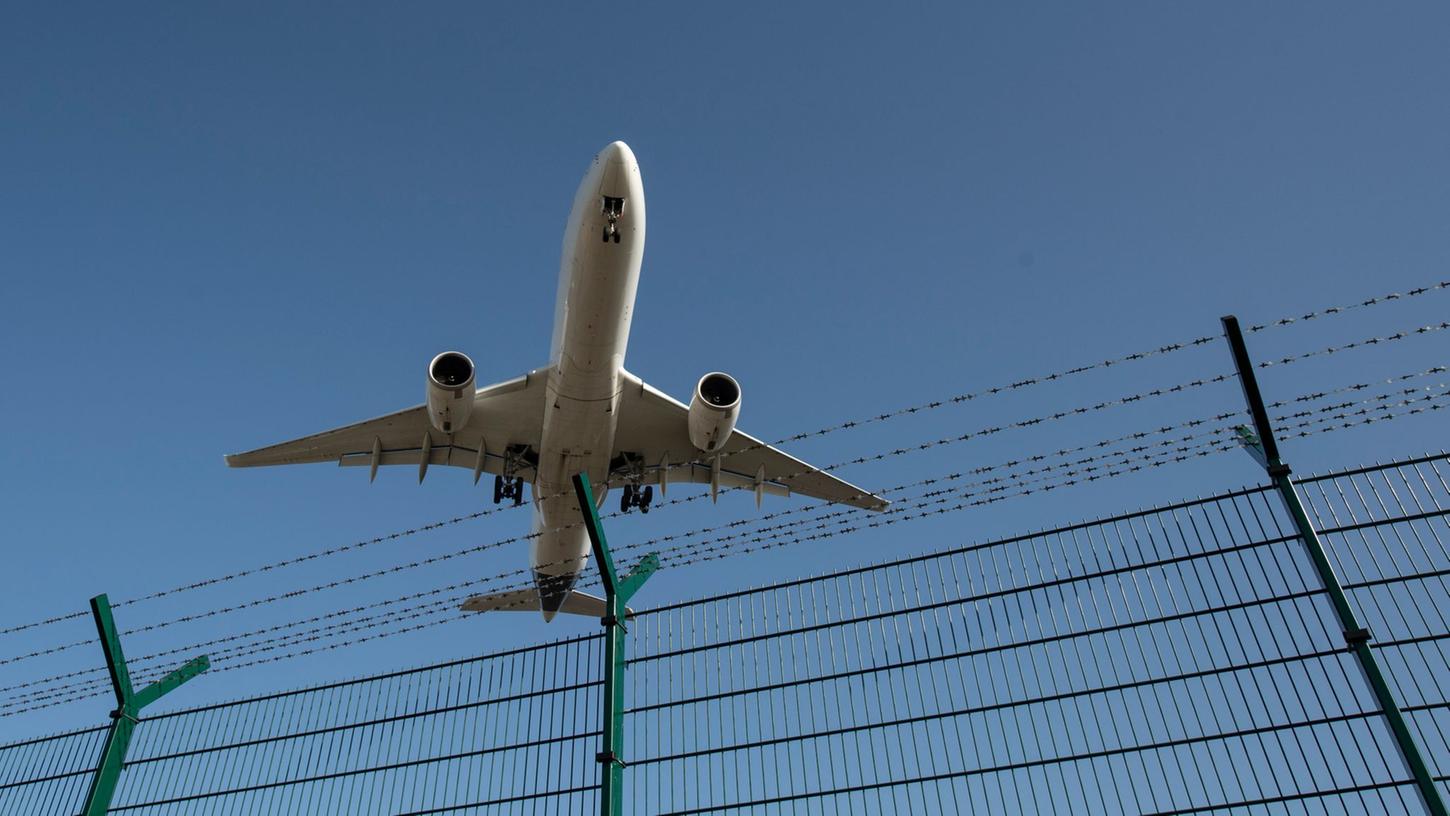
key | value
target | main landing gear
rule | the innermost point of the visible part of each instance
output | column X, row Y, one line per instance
column 508, row 489
column 636, row 496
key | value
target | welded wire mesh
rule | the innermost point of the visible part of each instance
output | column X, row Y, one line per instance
column 1182, row 659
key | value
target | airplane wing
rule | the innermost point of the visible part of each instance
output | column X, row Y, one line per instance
column 653, row 425
column 506, row 414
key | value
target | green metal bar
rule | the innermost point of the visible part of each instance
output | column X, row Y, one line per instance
column 111, row 645
column 108, row 774
column 617, row 592
column 1266, row 451
column 637, row 576
column 165, row 685
column 128, row 707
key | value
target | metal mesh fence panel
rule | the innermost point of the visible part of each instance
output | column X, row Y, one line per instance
column 1182, row 659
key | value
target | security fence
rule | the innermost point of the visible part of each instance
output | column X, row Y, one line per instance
column 1182, row 659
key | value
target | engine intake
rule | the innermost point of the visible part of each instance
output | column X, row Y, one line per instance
column 450, row 391
column 714, row 409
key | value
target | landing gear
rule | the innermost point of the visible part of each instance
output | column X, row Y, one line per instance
column 509, row 485
column 635, row 496
column 508, row 489
column 611, row 209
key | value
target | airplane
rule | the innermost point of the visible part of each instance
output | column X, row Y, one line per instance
column 583, row 412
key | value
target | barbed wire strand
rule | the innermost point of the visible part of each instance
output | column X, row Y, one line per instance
column 986, row 431
column 477, row 548
column 910, row 410
column 1017, row 480
column 1331, row 424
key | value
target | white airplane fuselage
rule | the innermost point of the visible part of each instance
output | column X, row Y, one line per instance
column 598, row 276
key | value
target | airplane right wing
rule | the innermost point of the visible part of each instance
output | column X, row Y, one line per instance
column 654, row 425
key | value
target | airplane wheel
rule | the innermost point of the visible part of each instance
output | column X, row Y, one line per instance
column 624, row 498
column 605, row 235
column 497, row 489
column 616, row 237
column 518, row 492
column 649, row 496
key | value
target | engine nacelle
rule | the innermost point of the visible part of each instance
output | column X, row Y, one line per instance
column 450, row 391
column 713, row 410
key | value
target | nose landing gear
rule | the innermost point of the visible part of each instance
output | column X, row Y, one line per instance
column 612, row 209
column 636, row 496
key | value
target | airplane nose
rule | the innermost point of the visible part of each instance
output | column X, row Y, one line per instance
column 616, row 153
column 617, row 169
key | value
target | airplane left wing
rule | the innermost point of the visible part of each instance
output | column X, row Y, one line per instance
column 507, row 414
column 654, row 426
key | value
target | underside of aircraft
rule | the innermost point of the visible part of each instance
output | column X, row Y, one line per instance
column 583, row 412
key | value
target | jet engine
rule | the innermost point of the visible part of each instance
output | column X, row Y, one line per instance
column 713, row 411
column 450, row 391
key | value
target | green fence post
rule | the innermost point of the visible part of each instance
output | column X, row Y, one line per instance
column 617, row 592
column 128, row 707
column 1265, row 450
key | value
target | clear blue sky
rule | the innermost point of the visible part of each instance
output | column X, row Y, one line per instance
column 224, row 228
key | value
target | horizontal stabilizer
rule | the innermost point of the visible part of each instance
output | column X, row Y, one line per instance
column 518, row 600
column 527, row 600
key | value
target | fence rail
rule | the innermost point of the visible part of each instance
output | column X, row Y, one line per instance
column 1181, row 659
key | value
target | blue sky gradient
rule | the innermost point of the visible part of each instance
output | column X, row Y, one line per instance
column 221, row 228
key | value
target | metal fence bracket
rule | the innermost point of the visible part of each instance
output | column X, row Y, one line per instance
column 1265, row 451
column 617, row 592
column 128, row 706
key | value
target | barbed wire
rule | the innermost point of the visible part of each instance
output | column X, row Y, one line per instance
column 1131, row 437
column 1084, row 467
column 650, row 543
column 851, row 424
column 1078, row 468
column 632, row 546
column 1343, row 420
column 1176, row 452
column 1169, row 448
column 626, row 548
column 477, row 548
column 986, row 431
column 808, row 470
column 1372, row 341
